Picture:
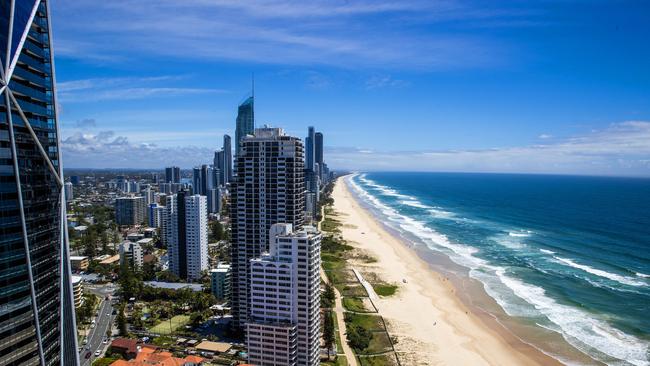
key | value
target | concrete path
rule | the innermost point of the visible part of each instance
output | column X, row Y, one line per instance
column 371, row 291
column 340, row 316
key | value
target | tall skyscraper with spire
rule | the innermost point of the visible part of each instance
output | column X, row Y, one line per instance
column 245, row 118
column 37, row 320
column 245, row 121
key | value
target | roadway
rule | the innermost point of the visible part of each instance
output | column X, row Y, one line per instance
column 103, row 322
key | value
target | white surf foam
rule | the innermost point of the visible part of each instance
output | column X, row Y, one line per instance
column 599, row 272
column 642, row 275
column 588, row 334
column 509, row 241
column 520, row 234
column 414, row 203
column 442, row 214
column 579, row 328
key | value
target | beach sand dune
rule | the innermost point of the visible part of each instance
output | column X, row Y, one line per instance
column 431, row 325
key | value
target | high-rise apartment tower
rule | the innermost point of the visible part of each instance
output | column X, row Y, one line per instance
column 284, row 322
column 267, row 189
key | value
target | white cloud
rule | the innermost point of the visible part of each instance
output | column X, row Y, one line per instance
column 384, row 81
column 106, row 150
column 544, row 136
column 621, row 149
column 125, row 88
column 341, row 33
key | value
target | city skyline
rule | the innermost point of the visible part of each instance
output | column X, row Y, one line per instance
column 556, row 87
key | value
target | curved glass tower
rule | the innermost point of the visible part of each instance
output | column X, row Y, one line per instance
column 245, row 121
column 37, row 325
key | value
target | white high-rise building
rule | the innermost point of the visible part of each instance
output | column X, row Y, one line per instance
column 131, row 254
column 284, row 322
column 186, row 234
column 69, row 195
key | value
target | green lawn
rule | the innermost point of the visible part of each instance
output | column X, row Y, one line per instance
column 351, row 290
column 384, row 289
column 381, row 360
column 379, row 343
column 370, row 322
column 338, row 276
column 164, row 326
column 341, row 360
column 356, row 304
column 332, row 261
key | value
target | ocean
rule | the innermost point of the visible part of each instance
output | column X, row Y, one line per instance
column 568, row 256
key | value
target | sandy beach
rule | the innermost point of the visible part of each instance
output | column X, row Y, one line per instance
column 432, row 325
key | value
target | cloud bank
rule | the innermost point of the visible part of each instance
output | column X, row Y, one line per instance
column 621, row 149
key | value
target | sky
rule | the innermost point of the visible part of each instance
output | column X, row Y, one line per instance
column 545, row 86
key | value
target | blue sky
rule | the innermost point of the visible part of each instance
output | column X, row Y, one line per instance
column 509, row 86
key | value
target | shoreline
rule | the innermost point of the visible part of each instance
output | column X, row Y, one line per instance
column 427, row 307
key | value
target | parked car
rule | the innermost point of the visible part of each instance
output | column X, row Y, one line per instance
column 87, row 356
column 97, row 353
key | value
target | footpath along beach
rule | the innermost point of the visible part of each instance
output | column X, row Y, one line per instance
column 432, row 326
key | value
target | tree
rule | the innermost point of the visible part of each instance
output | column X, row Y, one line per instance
column 121, row 321
column 216, row 231
column 197, row 318
column 358, row 337
column 328, row 332
column 103, row 238
column 130, row 283
column 328, row 296
column 149, row 271
column 136, row 319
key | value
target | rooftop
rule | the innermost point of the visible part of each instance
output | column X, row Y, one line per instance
column 217, row 347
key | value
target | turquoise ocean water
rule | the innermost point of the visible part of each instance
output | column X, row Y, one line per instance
column 570, row 255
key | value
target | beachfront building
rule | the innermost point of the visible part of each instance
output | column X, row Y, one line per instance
column 186, row 234
column 220, row 281
column 312, row 176
column 268, row 188
column 37, row 320
column 284, row 323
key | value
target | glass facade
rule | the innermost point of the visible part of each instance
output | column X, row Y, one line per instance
column 245, row 121
column 36, row 312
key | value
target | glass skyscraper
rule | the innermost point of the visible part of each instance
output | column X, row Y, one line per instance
column 37, row 325
column 245, row 121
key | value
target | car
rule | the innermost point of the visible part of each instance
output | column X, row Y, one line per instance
column 105, row 341
column 85, row 341
column 97, row 353
column 87, row 356
column 92, row 325
column 108, row 314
